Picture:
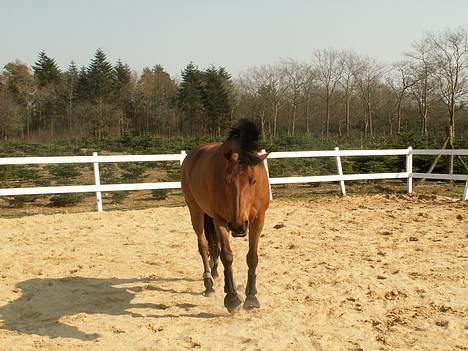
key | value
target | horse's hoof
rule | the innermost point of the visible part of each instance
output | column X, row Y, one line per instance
column 232, row 302
column 208, row 292
column 209, row 284
column 251, row 302
column 214, row 273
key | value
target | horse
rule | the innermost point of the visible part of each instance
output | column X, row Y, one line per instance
column 226, row 189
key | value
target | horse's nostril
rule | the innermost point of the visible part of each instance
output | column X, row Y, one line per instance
column 229, row 225
column 246, row 224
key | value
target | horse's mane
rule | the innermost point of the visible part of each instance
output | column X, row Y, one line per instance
column 247, row 134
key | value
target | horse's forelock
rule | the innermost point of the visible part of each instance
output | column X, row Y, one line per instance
column 247, row 134
column 249, row 159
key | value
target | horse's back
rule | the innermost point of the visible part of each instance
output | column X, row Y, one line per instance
column 197, row 172
column 198, row 158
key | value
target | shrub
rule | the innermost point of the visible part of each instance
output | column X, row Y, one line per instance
column 159, row 194
column 132, row 171
column 20, row 200
column 119, row 196
column 62, row 200
column 64, row 172
column 107, row 173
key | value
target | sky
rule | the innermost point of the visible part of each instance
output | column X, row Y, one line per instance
column 236, row 34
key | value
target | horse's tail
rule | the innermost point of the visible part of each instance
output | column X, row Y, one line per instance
column 210, row 235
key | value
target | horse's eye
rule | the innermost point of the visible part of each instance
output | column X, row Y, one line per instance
column 225, row 181
column 252, row 182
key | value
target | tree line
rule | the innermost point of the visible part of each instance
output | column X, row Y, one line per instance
column 336, row 93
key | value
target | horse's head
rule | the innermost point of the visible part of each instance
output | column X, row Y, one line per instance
column 240, row 187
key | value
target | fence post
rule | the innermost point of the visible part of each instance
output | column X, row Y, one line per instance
column 465, row 192
column 409, row 169
column 340, row 171
column 97, row 180
column 182, row 158
column 265, row 164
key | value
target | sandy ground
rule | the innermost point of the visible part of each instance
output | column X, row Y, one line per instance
column 355, row 273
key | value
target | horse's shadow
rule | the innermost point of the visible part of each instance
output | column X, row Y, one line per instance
column 45, row 305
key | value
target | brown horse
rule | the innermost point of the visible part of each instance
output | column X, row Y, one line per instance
column 226, row 189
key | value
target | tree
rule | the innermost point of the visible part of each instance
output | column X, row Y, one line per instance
column 368, row 79
column 100, row 76
column 21, row 84
column 47, row 74
column 423, row 84
column 82, row 85
column 348, row 83
column 399, row 80
column 329, row 67
column 296, row 75
column 46, row 70
column 10, row 116
column 122, row 79
column 156, row 94
column 100, row 83
column 215, row 98
column 190, row 100
column 449, row 54
column 69, row 92
column 254, row 97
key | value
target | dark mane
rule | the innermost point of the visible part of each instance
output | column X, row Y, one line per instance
column 247, row 134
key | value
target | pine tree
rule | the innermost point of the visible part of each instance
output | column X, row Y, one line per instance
column 46, row 70
column 82, row 84
column 215, row 97
column 70, row 91
column 100, row 77
column 189, row 98
column 46, row 110
column 122, row 77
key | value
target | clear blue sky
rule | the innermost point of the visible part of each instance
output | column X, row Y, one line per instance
column 236, row 34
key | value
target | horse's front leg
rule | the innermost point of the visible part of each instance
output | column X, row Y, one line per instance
column 232, row 300
column 255, row 229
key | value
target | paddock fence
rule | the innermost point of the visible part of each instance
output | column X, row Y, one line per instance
column 340, row 177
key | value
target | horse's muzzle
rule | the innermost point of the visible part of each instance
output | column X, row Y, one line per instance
column 238, row 231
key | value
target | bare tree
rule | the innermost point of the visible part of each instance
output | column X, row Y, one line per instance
column 399, row 80
column 308, row 87
column 368, row 78
column 422, row 77
column 449, row 54
column 253, row 86
column 296, row 75
column 329, row 66
column 348, row 83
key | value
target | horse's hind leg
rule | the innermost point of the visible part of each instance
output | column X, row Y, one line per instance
column 197, row 217
column 213, row 244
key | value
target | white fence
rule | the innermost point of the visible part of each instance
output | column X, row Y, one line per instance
column 98, row 188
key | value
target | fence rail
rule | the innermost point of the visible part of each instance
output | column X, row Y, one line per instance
column 98, row 188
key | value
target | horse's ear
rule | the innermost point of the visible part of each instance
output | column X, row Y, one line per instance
column 263, row 157
column 232, row 156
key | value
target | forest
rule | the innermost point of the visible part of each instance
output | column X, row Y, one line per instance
column 336, row 94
